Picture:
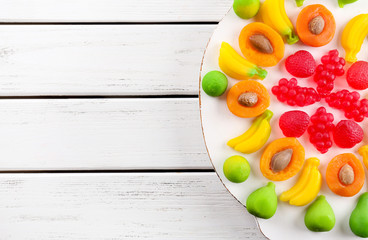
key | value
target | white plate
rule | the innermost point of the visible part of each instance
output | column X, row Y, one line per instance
column 220, row 125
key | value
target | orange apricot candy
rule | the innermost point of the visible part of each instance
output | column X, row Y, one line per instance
column 261, row 45
column 315, row 25
column 247, row 99
column 293, row 166
column 345, row 175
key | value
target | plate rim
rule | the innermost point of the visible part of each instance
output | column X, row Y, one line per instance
column 204, row 138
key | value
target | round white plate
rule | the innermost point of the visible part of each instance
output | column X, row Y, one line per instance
column 220, row 125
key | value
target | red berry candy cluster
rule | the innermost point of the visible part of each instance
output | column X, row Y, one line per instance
column 332, row 66
column 350, row 102
column 319, row 130
column 292, row 94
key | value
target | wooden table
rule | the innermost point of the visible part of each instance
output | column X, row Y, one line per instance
column 100, row 130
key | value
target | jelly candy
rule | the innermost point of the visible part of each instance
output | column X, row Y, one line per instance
column 350, row 102
column 294, row 123
column 357, row 75
column 332, row 66
column 301, row 64
column 347, row 134
column 292, row 94
column 319, row 131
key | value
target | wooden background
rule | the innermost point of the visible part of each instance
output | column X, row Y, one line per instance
column 100, row 129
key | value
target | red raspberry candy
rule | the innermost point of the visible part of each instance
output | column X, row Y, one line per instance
column 350, row 102
column 357, row 75
column 347, row 134
column 320, row 129
column 294, row 123
column 292, row 94
column 301, row 64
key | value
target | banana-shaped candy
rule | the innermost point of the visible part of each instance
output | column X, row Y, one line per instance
column 255, row 137
column 353, row 36
column 363, row 151
column 273, row 14
column 307, row 187
column 238, row 67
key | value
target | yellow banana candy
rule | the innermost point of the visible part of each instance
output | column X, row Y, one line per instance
column 363, row 151
column 307, row 187
column 255, row 137
column 238, row 67
column 353, row 36
column 273, row 14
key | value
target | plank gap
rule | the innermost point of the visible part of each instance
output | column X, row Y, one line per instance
column 112, row 23
column 109, row 171
column 99, row 97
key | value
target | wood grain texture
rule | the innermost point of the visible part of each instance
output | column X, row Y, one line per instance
column 101, row 59
column 70, row 134
column 113, row 10
column 121, row 206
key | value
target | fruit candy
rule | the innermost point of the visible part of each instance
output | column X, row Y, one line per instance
column 363, row 151
column 350, row 102
column 235, row 66
column 236, row 169
column 214, row 83
column 320, row 216
column 345, row 175
column 315, row 25
column 359, row 217
column 301, row 64
column 307, row 187
column 332, row 66
column 299, row 3
column 262, row 203
column 294, row 123
column 342, row 3
column 354, row 35
column 246, row 8
column 255, row 137
column 319, row 131
column 347, row 134
column 248, row 99
column 261, row 44
column 292, row 94
column 282, row 159
column 357, row 75
column 274, row 15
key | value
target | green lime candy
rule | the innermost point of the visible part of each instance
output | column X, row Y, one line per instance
column 246, row 8
column 214, row 83
column 236, row 169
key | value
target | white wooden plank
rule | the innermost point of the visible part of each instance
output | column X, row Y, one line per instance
column 113, row 10
column 121, row 206
column 101, row 59
column 41, row 134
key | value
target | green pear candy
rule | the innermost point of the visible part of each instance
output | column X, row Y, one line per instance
column 342, row 3
column 359, row 217
column 246, row 8
column 320, row 217
column 262, row 202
